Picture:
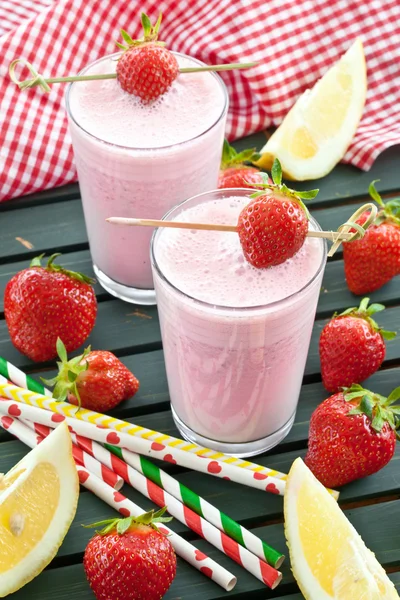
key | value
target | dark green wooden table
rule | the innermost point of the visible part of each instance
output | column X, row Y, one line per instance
column 53, row 222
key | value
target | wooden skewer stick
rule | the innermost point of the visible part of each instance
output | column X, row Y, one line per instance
column 333, row 236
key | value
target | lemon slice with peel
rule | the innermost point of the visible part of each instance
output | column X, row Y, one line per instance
column 38, row 500
column 328, row 557
column 319, row 128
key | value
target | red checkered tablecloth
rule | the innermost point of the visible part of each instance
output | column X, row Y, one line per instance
column 294, row 40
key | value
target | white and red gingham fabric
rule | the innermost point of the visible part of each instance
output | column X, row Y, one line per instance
column 294, row 40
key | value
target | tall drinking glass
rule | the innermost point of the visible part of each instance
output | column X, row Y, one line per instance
column 235, row 337
column 139, row 160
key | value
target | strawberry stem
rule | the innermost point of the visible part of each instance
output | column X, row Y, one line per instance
column 121, row 526
column 377, row 408
column 68, row 372
column 365, row 312
column 232, row 158
column 37, row 262
column 38, row 79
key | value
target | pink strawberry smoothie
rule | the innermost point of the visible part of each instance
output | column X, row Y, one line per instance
column 139, row 160
column 235, row 337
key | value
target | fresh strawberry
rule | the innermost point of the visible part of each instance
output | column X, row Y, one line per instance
column 373, row 260
column 146, row 68
column 44, row 303
column 95, row 380
column 352, row 434
column 235, row 173
column 273, row 227
column 352, row 346
column 129, row 559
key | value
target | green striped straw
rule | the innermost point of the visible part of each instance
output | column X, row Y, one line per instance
column 202, row 507
column 19, row 378
column 240, row 534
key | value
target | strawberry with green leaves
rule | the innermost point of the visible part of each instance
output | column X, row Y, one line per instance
column 236, row 172
column 96, row 380
column 273, row 226
column 44, row 303
column 130, row 559
column 352, row 435
column 146, row 67
column 352, row 346
column 373, row 260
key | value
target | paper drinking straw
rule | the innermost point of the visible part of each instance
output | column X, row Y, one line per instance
column 266, row 573
column 189, row 498
column 83, row 458
column 31, row 438
column 184, row 549
column 39, row 412
column 125, row 507
column 19, row 378
column 7, row 370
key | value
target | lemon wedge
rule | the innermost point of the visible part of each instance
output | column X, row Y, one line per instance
column 318, row 129
column 329, row 559
column 38, row 500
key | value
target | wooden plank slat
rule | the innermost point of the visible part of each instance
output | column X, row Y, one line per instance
column 120, row 327
column 61, row 225
column 126, row 329
column 335, row 295
column 344, row 181
column 65, row 192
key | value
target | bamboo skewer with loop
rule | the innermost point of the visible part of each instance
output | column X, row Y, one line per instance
column 43, row 82
column 351, row 224
column 342, row 234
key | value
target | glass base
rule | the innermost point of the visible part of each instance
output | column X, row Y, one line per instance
column 124, row 292
column 237, row 450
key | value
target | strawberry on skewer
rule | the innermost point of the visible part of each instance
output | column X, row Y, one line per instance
column 352, row 435
column 146, row 68
column 352, row 346
column 274, row 226
column 236, row 173
column 373, row 260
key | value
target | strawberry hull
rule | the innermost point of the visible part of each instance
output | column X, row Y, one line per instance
column 235, row 366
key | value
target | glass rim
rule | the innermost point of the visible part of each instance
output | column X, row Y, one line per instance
column 169, row 146
column 221, row 307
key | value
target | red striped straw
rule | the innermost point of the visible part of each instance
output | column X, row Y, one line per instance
column 82, row 458
column 32, row 438
column 125, row 507
column 256, row 566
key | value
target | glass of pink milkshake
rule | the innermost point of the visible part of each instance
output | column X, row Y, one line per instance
column 235, row 337
column 139, row 160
